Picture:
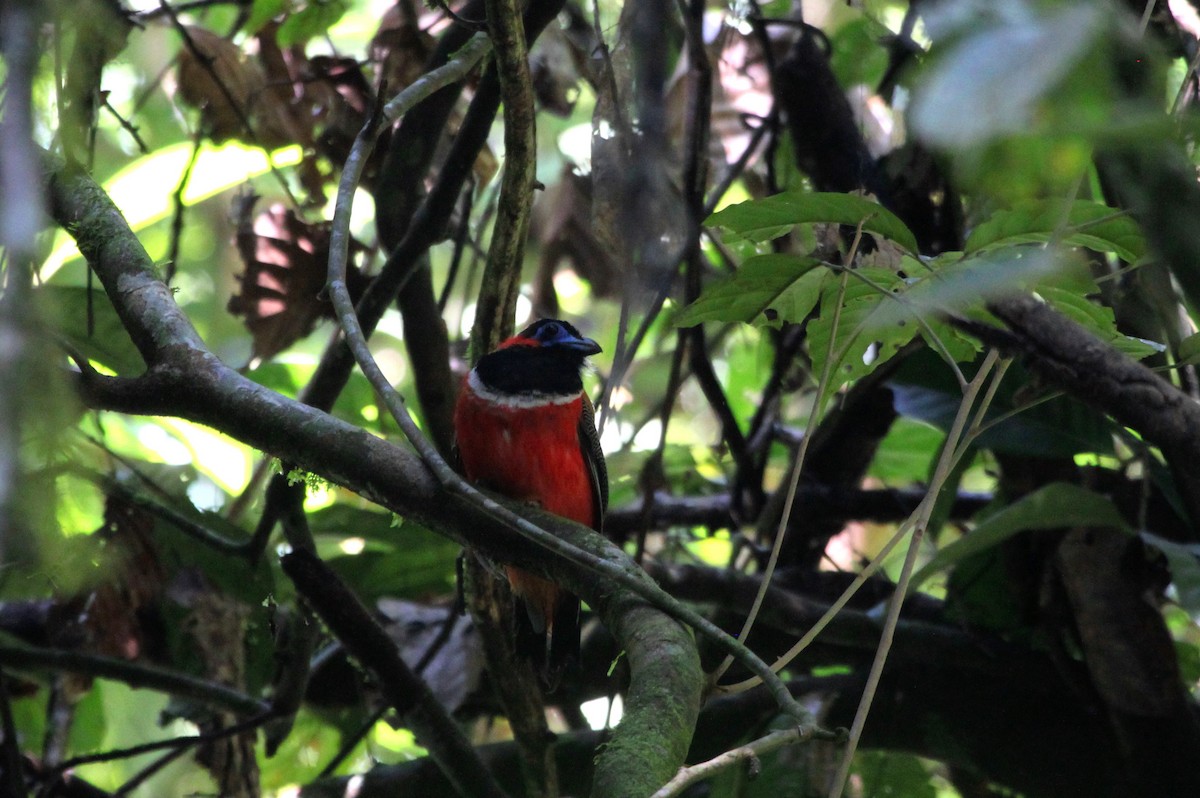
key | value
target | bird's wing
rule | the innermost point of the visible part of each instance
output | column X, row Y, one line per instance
column 593, row 456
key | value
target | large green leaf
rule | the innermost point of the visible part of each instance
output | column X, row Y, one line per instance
column 1081, row 223
column 766, row 289
column 1055, row 506
column 925, row 389
column 399, row 559
column 144, row 190
column 1184, row 560
column 995, row 80
column 762, row 220
column 108, row 343
column 867, row 333
column 1099, row 321
column 959, row 285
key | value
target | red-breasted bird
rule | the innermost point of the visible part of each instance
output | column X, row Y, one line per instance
column 526, row 429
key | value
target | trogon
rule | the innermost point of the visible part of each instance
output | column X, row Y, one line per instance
column 525, row 428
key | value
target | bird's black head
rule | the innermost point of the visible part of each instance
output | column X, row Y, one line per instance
column 544, row 358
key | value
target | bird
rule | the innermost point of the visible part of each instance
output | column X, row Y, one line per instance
column 525, row 428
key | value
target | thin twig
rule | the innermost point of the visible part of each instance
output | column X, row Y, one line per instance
column 127, row 126
column 135, row 674
column 178, row 208
column 749, row 752
column 183, row 741
column 798, row 466
column 941, row 473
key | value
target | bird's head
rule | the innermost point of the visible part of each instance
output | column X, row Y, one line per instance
column 543, row 360
column 554, row 334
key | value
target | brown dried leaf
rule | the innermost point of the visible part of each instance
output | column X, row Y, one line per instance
column 136, row 581
column 216, row 77
column 555, row 65
column 401, row 46
column 562, row 224
column 285, row 259
column 107, row 619
column 742, row 89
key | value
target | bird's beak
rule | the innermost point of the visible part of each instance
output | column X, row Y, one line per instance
column 585, row 345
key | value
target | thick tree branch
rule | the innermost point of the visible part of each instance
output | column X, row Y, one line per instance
column 814, row 500
column 404, row 690
column 189, row 382
column 502, row 276
column 135, row 674
column 1064, row 354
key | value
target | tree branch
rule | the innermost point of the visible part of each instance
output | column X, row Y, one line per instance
column 497, row 302
column 404, row 690
column 135, row 674
column 187, row 381
column 1065, row 355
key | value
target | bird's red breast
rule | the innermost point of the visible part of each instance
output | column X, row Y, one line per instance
column 524, row 429
column 529, row 453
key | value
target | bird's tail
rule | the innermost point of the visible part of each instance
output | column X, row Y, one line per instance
column 547, row 626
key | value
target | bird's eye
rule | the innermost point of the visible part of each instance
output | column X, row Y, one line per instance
column 549, row 332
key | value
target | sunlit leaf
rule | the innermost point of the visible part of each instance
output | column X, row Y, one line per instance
column 1099, row 321
column 1055, row 506
column 1081, row 223
column 107, row 342
column 144, row 189
column 993, row 81
column 767, row 288
column 762, row 220
column 866, row 333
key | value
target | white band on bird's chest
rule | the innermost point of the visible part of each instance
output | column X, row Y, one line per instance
column 518, row 401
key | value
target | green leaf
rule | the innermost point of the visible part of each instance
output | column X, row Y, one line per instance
column 1081, row 224
column 1098, row 320
column 108, row 344
column 314, row 20
column 868, row 332
column 857, row 56
column 1184, row 560
column 263, row 12
column 893, row 773
column 927, row 390
column 994, row 81
column 766, row 289
column 762, row 220
column 959, row 346
column 1189, row 349
column 1055, row 506
column 904, row 454
column 402, row 560
column 960, row 285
